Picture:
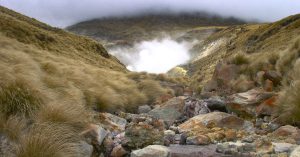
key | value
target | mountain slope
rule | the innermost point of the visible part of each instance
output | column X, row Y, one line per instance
column 260, row 44
column 126, row 30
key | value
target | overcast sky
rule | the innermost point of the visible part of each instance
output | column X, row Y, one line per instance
column 62, row 13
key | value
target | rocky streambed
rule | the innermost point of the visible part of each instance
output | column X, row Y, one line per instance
column 185, row 126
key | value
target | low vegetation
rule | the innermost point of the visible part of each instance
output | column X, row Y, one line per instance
column 289, row 100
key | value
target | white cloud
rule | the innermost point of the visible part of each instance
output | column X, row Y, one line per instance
column 156, row 56
column 66, row 12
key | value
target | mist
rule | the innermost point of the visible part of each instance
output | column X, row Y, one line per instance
column 62, row 13
column 155, row 56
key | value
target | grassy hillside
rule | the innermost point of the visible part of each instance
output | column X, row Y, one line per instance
column 126, row 30
column 261, row 45
column 52, row 82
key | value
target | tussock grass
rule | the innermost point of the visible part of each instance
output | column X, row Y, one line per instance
column 17, row 99
column 240, row 59
column 151, row 89
column 286, row 60
column 68, row 114
column 49, row 140
column 289, row 100
column 13, row 126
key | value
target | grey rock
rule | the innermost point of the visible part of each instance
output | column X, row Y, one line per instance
column 193, row 151
column 170, row 111
column 144, row 109
column 283, row 147
column 151, row 151
column 95, row 134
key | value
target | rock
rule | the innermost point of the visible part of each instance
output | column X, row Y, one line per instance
column 141, row 135
column 170, row 111
column 118, row 151
column 288, row 131
column 268, row 107
column 260, row 78
column 194, row 107
column 216, row 103
column 86, row 150
column 273, row 76
column 283, row 147
column 111, row 122
column 193, row 151
column 222, row 77
column 264, row 146
column 151, row 151
column 174, row 128
column 296, row 152
column 169, row 137
column 269, row 86
column 216, row 119
column 144, row 109
column 235, row 148
column 230, row 135
column 244, row 104
column 94, row 135
column 198, row 140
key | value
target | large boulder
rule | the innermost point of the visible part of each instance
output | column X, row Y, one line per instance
column 214, row 127
column 169, row 111
column 244, row 104
column 213, row 119
column 151, row 151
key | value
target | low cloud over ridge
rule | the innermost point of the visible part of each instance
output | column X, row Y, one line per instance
column 62, row 13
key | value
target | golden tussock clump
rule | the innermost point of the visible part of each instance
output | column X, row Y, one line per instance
column 289, row 99
column 49, row 140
